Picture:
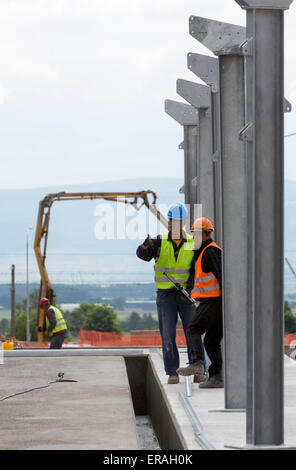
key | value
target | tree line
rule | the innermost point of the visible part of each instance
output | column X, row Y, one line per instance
column 97, row 317
column 87, row 316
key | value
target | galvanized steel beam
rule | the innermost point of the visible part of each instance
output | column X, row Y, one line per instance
column 207, row 69
column 199, row 96
column 187, row 116
column 264, row 135
column 224, row 39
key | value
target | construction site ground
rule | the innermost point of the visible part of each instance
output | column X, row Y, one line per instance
column 96, row 412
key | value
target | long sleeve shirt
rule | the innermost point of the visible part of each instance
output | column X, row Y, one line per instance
column 153, row 251
column 211, row 262
column 52, row 321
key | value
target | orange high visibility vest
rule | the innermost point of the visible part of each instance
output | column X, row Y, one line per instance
column 205, row 284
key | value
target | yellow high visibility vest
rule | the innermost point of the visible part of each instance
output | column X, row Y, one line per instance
column 60, row 321
column 178, row 268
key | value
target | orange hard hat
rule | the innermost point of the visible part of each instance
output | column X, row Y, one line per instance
column 202, row 223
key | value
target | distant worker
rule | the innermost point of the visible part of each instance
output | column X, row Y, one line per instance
column 173, row 253
column 206, row 282
column 56, row 326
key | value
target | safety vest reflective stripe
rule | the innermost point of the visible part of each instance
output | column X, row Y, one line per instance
column 60, row 321
column 205, row 284
column 205, row 278
column 179, row 268
column 206, row 289
column 171, row 270
column 177, row 281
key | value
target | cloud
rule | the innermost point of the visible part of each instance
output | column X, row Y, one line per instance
column 84, row 84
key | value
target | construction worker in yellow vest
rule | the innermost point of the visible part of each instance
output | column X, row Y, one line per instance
column 56, row 326
column 206, row 283
column 173, row 253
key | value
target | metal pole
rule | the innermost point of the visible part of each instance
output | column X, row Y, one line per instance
column 224, row 40
column 187, row 116
column 265, row 156
column 207, row 69
column 12, row 321
column 28, row 334
column 188, row 386
column 199, row 96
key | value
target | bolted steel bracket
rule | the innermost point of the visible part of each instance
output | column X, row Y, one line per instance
column 196, row 94
column 206, row 68
column 246, row 133
column 218, row 37
column 184, row 114
column 246, row 48
column 181, row 146
column 287, row 106
column 181, row 190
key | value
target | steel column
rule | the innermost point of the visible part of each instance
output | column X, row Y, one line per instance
column 224, row 40
column 265, row 156
column 207, row 69
column 199, row 96
column 187, row 116
column 12, row 304
column 235, row 227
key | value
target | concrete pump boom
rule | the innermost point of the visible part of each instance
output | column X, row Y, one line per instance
column 42, row 225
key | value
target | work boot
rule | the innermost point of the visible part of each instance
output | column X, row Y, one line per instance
column 173, row 379
column 196, row 368
column 199, row 378
column 215, row 381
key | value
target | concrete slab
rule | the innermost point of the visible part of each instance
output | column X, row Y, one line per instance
column 94, row 413
column 221, row 428
column 97, row 412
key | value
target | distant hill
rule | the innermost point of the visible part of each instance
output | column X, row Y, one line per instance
column 72, row 223
column 72, row 232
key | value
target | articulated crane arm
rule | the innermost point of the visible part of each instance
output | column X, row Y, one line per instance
column 136, row 199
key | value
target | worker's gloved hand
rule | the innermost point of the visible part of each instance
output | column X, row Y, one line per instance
column 147, row 242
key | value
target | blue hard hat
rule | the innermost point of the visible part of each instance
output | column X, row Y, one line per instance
column 177, row 212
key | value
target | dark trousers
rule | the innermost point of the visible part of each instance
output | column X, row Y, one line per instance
column 169, row 304
column 57, row 340
column 207, row 319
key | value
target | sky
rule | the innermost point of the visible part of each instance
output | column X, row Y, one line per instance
column 83, row 85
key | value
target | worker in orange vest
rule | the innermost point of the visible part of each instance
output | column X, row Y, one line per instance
column 206, row 286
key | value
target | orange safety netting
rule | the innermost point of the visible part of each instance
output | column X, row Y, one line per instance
column 290, row 339
column 140, row 338
column 134, row 338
